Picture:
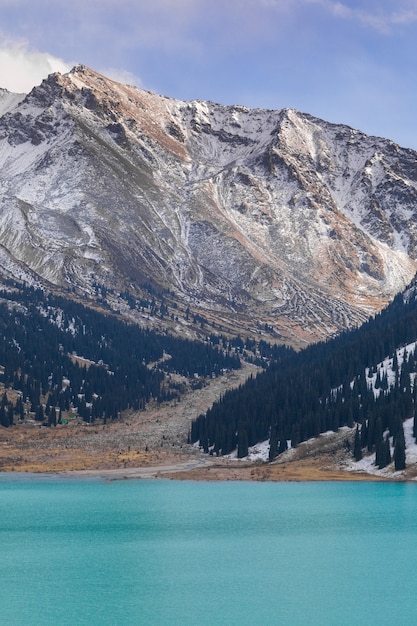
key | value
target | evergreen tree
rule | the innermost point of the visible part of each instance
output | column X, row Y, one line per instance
column 399, row 450
column 52, row 416
column 242, row 443
column 283, row 444
column 295, row 435
column 4, row 400
column 387, row 450
column 415, row 423
column 273, row 449
column 364, row 434
column 383, row 453
column 4, row 420
column 357, row 450
column 10, row 414
column 384, row 382
column 39, row 414
column 371, row 433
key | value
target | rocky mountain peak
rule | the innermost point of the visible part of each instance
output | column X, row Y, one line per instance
column 253, row 219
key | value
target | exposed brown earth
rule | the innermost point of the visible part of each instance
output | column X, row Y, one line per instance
column 152, row 443
column 297, row 471
column 156, row 436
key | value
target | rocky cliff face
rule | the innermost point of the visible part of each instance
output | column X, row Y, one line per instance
column 251, row 218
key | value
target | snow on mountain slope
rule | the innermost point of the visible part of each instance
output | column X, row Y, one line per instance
column 251, row 218
column 8, row 100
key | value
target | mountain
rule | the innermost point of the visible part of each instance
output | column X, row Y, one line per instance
column 246, row 220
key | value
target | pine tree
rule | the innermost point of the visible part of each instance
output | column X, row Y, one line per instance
column 10, row 413
column 273, row 450
column 379, row 445
column 4, row 400
column 415, row 424
column 4, row 420
column 283, row 444
column 383, row 453
column 387, row 450
column 295, row 435
column 399, row 450
column 52, row 416
column 242, row 443
column 357, row 450
column 39, row 415
column 371, row 433
column 364, row 434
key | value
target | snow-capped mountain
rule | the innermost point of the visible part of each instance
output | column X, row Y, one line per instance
column 251, row 218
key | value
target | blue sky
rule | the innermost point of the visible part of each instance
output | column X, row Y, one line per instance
column 351, row 62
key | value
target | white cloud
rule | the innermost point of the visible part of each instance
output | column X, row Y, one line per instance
column 121, row 76
column 22, row 68
column 376, row 15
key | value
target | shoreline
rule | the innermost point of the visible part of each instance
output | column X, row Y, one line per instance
column 201, row 469
column 125, row 450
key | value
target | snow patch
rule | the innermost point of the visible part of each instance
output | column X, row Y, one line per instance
column 9, row 100
column 258, row 452
column 367, row 463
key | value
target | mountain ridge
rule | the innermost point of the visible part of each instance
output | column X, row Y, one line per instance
column 251, row 219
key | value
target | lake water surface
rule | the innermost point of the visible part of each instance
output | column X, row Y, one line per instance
column 193, row 553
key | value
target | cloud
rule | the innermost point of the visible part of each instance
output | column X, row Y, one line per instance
column 22, row 68
column 378, row 16
column 121, row 76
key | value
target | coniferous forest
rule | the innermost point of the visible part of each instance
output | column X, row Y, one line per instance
column 322, row 388
column 56, row 354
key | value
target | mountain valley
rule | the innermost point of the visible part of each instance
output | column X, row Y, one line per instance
column 172, row 274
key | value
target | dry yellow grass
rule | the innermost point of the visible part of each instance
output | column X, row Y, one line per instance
column 35, row 449
column 155, row 438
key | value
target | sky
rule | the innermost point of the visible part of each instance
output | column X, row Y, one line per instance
column 352, row 62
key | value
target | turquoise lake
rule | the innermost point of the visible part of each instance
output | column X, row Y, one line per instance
column 193, row 553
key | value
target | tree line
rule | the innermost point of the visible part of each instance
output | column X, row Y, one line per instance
column 42, row 340
column 321, row 388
